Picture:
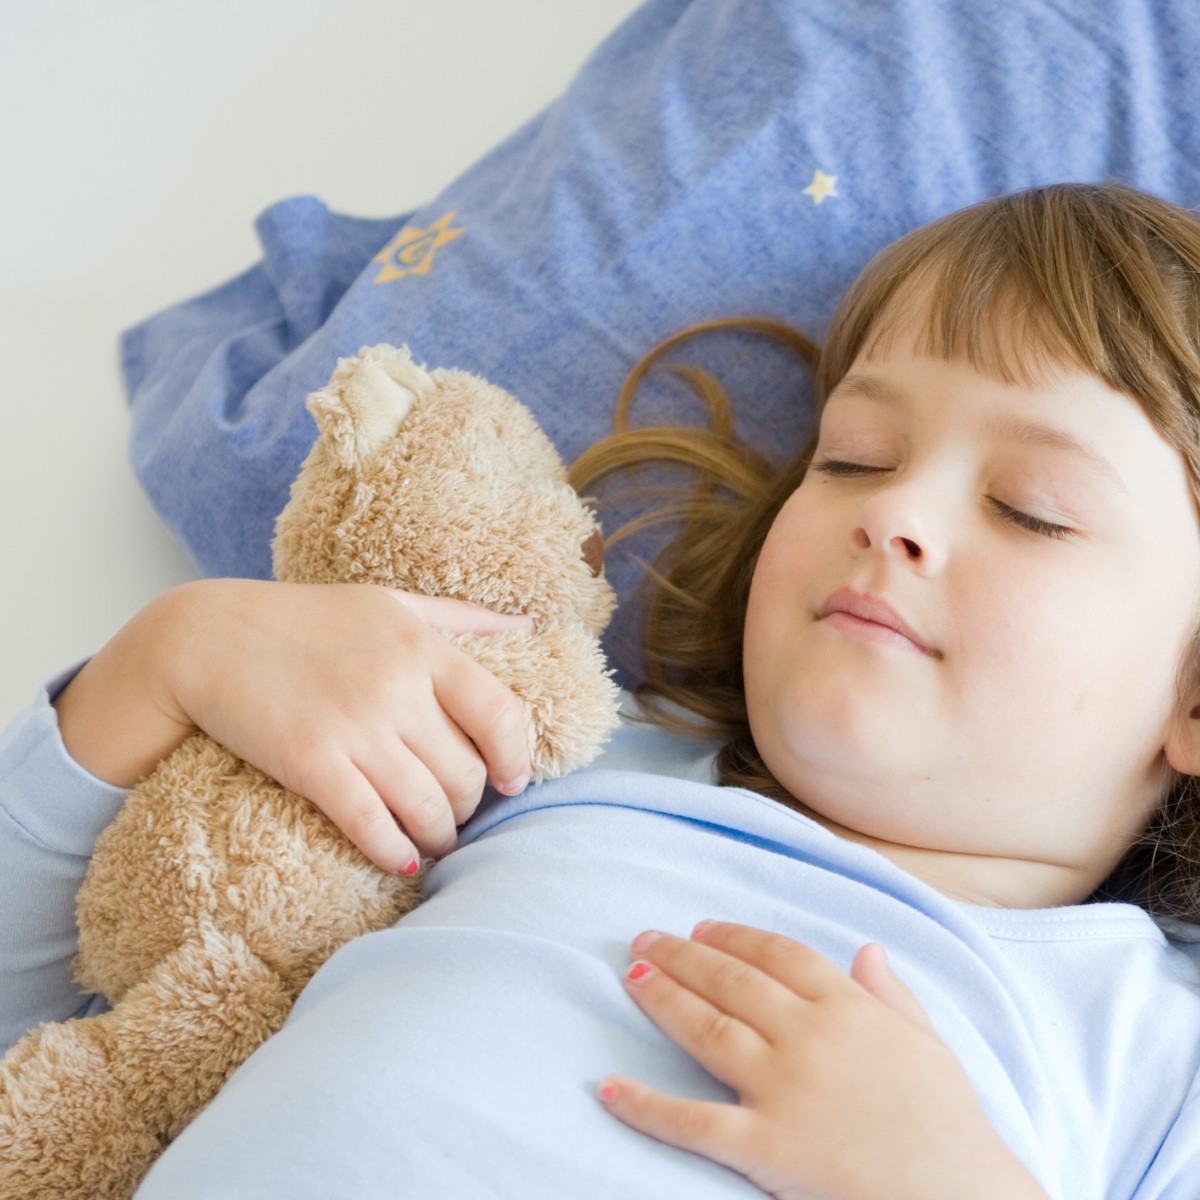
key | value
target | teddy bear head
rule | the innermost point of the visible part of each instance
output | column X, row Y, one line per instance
column 398, row 449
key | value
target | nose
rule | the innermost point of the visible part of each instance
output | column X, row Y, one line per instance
column 901, row 520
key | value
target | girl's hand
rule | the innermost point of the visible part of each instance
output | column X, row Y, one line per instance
column 345, row 693
column 845, row 1090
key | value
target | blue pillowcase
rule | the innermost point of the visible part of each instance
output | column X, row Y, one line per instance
column 713, row 157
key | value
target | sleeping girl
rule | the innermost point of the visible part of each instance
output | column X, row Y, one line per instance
column 908, row 919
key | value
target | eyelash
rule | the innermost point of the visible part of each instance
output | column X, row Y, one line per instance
column 838, row 468
column 1026, row 521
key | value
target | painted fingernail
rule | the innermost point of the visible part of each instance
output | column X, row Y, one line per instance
column 607, row 1092
column 412, row 868
column 638, row 972
column 703, row 929
column 645, row 940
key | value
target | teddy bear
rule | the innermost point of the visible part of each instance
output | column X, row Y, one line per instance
column 216, row 894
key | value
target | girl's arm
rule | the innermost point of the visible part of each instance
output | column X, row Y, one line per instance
column 845, row 1090
column 345, row 693
column 51, row 812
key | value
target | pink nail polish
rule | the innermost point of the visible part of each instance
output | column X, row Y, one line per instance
column 638, row 972
column 412, row 868
column 608, row 1093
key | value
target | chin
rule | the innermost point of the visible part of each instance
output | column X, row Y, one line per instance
column 831, row 725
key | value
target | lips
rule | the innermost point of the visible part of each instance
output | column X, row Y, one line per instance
column 871, row 611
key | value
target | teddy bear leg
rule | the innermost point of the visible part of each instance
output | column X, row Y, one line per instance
column 87, row 1105
column 66, row 1132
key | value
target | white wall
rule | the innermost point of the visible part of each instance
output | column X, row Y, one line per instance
column 138, row 141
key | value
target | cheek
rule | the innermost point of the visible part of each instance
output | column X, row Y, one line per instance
column 804, row 528
column 1057, row 645
column 761, row 628
column 777, row 608
column 783, row 574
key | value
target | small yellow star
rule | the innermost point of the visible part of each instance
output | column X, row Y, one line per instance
column 411, row 251
column 822, row 185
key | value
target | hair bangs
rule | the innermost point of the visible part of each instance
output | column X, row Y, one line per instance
column 954, row 310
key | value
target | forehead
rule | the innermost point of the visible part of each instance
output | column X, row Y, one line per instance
column 1063, row 409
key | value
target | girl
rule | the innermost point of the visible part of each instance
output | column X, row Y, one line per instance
column 950, row 657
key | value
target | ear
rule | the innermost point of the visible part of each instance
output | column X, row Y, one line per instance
column 1183, row 739
column 365, row 403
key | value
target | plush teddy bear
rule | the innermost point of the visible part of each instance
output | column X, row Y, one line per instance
column 216, row 894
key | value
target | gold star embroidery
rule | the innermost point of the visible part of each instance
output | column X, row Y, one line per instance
column 822, row 186
column 411, row 251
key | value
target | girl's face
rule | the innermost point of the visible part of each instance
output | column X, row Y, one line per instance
column 965, row 627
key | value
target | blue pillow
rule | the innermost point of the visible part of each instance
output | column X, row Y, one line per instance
column 712, row 157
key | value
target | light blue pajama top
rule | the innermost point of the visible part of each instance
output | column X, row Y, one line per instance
column 457, row 1054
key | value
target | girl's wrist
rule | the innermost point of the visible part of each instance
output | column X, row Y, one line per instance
column 117, row 717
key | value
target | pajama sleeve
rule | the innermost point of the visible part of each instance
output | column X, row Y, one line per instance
column 51, row 812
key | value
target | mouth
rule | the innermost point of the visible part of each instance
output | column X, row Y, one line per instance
column 872, row 618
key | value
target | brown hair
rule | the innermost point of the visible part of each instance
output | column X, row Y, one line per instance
column 1101, row 276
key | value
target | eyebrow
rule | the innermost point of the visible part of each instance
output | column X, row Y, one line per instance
column 1017, row 429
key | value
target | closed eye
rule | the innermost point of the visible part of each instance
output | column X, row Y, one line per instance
column 1026, row 521
column 837, row 466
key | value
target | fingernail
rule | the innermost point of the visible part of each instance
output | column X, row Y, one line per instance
column 517, row 786
column 645, row 940
column 638, row 972
column 607, row 1092
column 703, row 929
column 412, row 868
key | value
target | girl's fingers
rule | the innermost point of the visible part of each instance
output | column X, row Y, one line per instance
column 460, row 616
column 488, row 714
column 872, row 972
column 408, row 790
column 723, row 1044
column 700, row 1126
column 345, row 795
column 803, row 971
column 763, row 980
column 451, row 759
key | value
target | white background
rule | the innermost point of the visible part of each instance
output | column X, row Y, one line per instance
column 138, row 141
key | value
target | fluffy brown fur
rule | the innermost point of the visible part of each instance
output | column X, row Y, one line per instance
column 216, row 894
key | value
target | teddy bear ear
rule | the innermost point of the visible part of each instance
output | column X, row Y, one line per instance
column 366, row 401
